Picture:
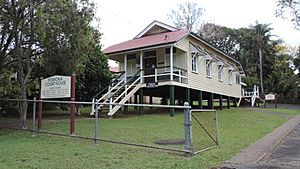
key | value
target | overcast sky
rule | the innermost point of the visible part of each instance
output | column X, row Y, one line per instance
column 122, row 20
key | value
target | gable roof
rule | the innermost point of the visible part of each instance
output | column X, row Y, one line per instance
column 155, row 23
column 147, row 41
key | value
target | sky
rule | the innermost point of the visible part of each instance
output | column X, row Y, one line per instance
column 122, row 20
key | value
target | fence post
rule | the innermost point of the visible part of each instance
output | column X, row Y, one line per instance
column 96, row 121
column 33, row 115
column 217, row 127
column 187, row 130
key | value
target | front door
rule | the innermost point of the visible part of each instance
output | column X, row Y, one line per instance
column 150, row 65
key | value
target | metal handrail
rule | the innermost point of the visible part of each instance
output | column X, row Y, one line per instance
column 106, row 88
column 138, row 79
column 127, row 82
column 113, row 88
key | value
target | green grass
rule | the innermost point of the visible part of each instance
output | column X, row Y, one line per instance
column 238, row 129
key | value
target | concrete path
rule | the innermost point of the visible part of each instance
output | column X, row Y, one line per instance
column 278, row 149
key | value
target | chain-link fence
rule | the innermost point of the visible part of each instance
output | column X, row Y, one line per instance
column 175, row 128
column 204, row 129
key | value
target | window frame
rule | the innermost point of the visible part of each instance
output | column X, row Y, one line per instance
column 220, row 72
column 194, row 62
column 208, row 68
column 230, row 72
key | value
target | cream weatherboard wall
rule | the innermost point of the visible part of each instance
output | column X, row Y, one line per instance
column 200, row 81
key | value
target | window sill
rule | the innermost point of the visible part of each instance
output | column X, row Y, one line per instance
column 208, row 77
column 194, row 72
column 220, row 80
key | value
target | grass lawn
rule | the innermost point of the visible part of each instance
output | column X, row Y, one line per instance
column 238, row 129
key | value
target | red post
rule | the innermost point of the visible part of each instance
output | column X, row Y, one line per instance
column 40, row 110
column 72, row 113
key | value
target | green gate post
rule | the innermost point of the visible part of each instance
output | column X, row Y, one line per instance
column 234, row 102
column 126, row 108
column 172, row 99
column 211, row 101
column 187, row 96
column 135, row 101
column 141, row 99
column 228, row 102
column 221, row 102
column 151, row 100
column 200, row 100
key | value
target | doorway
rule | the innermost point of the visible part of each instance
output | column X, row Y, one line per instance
column 150, row 65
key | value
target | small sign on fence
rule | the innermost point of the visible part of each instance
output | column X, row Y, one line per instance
column 56, row 87
column 151, row 85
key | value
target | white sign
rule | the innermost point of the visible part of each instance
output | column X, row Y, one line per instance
column 270, row 97
column 56, row 87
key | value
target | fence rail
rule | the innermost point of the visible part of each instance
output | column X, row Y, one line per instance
column 165, row 127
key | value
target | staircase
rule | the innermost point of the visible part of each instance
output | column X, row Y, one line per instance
column 252, row 95
column 118, row 93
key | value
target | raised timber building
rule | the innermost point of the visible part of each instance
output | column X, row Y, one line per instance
column 166, row 65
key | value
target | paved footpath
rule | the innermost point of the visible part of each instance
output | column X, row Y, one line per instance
column 279, row 149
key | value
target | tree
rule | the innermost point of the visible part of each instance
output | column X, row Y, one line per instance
column 281, row 79
column 187, row 16
column 289, row 9
column 95, row 75
column 261, row 38
column 37, row 31
column 221, row 37
column 296, row 61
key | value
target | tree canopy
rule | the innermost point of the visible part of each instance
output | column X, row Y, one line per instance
column 41, row 38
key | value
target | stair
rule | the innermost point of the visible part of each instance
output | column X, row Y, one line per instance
column 251, row 95
column 119, row 93
column 127, row 97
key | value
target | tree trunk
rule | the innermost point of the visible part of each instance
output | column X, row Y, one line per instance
column 261, row 72
column 23, row 107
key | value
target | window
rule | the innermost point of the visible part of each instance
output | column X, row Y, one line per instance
column 220, row 72
column 208, row 67
column 238, row 79
column 230, row 76
column 194, row 62
column 167, row 58
column 131, row 65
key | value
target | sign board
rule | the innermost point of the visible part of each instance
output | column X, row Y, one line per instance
column 56, row 87
column 151, row 85
column 270, row 97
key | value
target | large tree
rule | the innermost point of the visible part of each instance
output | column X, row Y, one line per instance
column 95, row 75
column 261, row 39
column 37, row 31
column 221, row 37
column 289, row 9
column 187, row 16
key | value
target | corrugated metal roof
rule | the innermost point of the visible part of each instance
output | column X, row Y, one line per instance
column 152, row 40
